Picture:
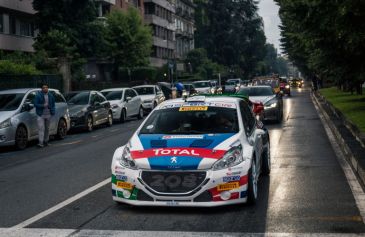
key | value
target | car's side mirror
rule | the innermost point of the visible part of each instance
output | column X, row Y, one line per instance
column 27, row 107
column 96, row 103
column 128, row 98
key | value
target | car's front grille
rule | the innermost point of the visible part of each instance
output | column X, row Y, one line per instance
column 164, row 183
column 206, row 196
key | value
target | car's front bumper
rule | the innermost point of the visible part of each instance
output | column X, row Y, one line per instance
column 7, row 136
column 147, row 106
column 271, row 113
column 208, row 194
column 78, row 122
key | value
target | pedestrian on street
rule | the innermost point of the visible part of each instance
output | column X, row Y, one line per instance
column 44, row 103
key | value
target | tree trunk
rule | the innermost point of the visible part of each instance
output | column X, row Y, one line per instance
column 65, row 69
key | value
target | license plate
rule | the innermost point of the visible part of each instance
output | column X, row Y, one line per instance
column 124, row 185
column 172, row 203
column 228, row 186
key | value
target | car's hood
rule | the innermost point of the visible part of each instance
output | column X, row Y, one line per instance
column 147, row 97
column 203, row 89
column 4, row 115
column 179, row 152
column 262, row 99
column 74, row 109
column 114, row 102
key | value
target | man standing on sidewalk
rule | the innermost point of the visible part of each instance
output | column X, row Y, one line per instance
column 44, row 103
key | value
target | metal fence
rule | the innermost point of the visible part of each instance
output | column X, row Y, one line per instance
column 26, row 81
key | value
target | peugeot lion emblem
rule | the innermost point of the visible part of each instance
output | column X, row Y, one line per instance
column 173, row 160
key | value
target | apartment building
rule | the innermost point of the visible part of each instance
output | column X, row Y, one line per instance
column 185, row 26
column 159, row 14
column 17, row 28
column 105, row 6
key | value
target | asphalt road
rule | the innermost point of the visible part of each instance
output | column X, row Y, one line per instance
column 307, row 191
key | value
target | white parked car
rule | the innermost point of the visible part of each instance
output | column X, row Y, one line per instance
column 125, row 102
column 151, row 96
column 18, row 119
column 204, row 87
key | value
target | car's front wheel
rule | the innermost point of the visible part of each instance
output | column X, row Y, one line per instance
column 89, row 123
column 61, row 129
column 252, row 184
column 266, row 161
column 21, row 138
column 110, row 119
column 123, row 116
column 140, row 113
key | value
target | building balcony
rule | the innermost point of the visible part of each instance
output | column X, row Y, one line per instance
column 156, row 20
column 163, row 3
column 24, row 6
column 157, row 62
column 110, row 2
column 163, row 43
column 16, row 43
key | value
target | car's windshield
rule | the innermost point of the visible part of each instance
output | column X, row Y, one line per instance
column 113, row 95
column 256, row 91
column 235, row 81
column 9, row 102
column 188, row 121
column 201, row 84
column 81, row 98
column 230, row 83
column 145, row 90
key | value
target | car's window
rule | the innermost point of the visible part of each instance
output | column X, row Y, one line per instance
column 230, row 83
column 247, row 117
column 145, row 90
column 30, row 97
column 113, row 95
column 133, row 93
column 81, row 98
column 100, row 98
column 9, row 102
column 175, row 121
column 93, row 98
column 158, row 90
column 58, row 97
column 201, row 84
column 256, row 91
column 128, row 94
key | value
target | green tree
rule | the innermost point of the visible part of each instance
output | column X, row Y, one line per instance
column 130, row 39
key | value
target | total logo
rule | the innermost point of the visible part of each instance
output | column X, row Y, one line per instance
column 166, row 152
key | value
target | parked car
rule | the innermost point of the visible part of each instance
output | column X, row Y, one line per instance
column 204, row 87
column 230, row 87
column 125, row 103
column 88, row 109
column 151, row 96
column 197, row 152
column 237, row 81
column 18, row 119
column 268, row 81
column 273, row 103
column 189, row 90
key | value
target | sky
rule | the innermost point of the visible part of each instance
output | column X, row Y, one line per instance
column 269, row 11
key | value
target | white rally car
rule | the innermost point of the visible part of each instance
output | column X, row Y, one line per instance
column 202, row 151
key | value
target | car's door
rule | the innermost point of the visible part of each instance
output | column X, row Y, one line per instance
column 30, row 117
column 160, row 96
column 97, row 108
column 134, row 102
column 105, row 106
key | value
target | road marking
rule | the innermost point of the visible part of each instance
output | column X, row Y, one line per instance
column 68, row 143
column 111, row 233
column 114, row 130
column 60, row 205
column 355, row 186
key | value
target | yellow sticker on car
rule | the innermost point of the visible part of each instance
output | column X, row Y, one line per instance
column 124, row 185
column 228, row 186
column 193, row 108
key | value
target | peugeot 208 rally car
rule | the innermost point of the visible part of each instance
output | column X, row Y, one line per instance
column 203, row 151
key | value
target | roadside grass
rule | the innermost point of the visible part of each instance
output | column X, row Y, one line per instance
column 352, row 106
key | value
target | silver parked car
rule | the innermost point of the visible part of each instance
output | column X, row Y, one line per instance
column 151, row 96
column 18, row 119
column 204, row 87
column 273, row 103
column 125, row 102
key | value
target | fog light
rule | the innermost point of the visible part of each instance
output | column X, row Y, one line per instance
column 225, row 195
column 126, row 194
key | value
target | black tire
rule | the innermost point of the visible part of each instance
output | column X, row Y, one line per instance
column 61, row 129
column 154, row 105
column 89, row 123
column 109, row 122
column 266, row 161
column 140, row 113
column 252, row 189
column 21, row 138
column 122, row 116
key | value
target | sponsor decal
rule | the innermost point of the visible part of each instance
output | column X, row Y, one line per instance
column 231, row 178
column 119, row 172
column 193, row 108
column 228, row 186
column 124, row 185
column 121, row 177
column 194, row 152
column 234, row 173
column 183, row 137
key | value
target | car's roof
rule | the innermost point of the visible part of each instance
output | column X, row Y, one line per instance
column 143, row 86
column 115, row 89
column 79, row 91
column 204, row 99
column 201, row 81
column 22, row 90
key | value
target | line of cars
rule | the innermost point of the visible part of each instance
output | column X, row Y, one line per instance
column 77, row 109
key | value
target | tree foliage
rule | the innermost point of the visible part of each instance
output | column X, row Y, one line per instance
column 325, row 38
column 231, row 32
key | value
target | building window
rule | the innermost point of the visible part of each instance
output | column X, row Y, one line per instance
column 1, row 23
column 25, row 28
column 12, row 25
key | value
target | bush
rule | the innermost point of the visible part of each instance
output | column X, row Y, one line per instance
column 10, row 68
column 138, row 74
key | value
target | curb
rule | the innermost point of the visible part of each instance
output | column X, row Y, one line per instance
column 352, row 148
column 360, row 136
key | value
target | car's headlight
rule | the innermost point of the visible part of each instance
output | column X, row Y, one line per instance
column 232, row 157
column 126, row 159
column 271, row 104
column 287, row 86
column 5, row 124
column 147, row 101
